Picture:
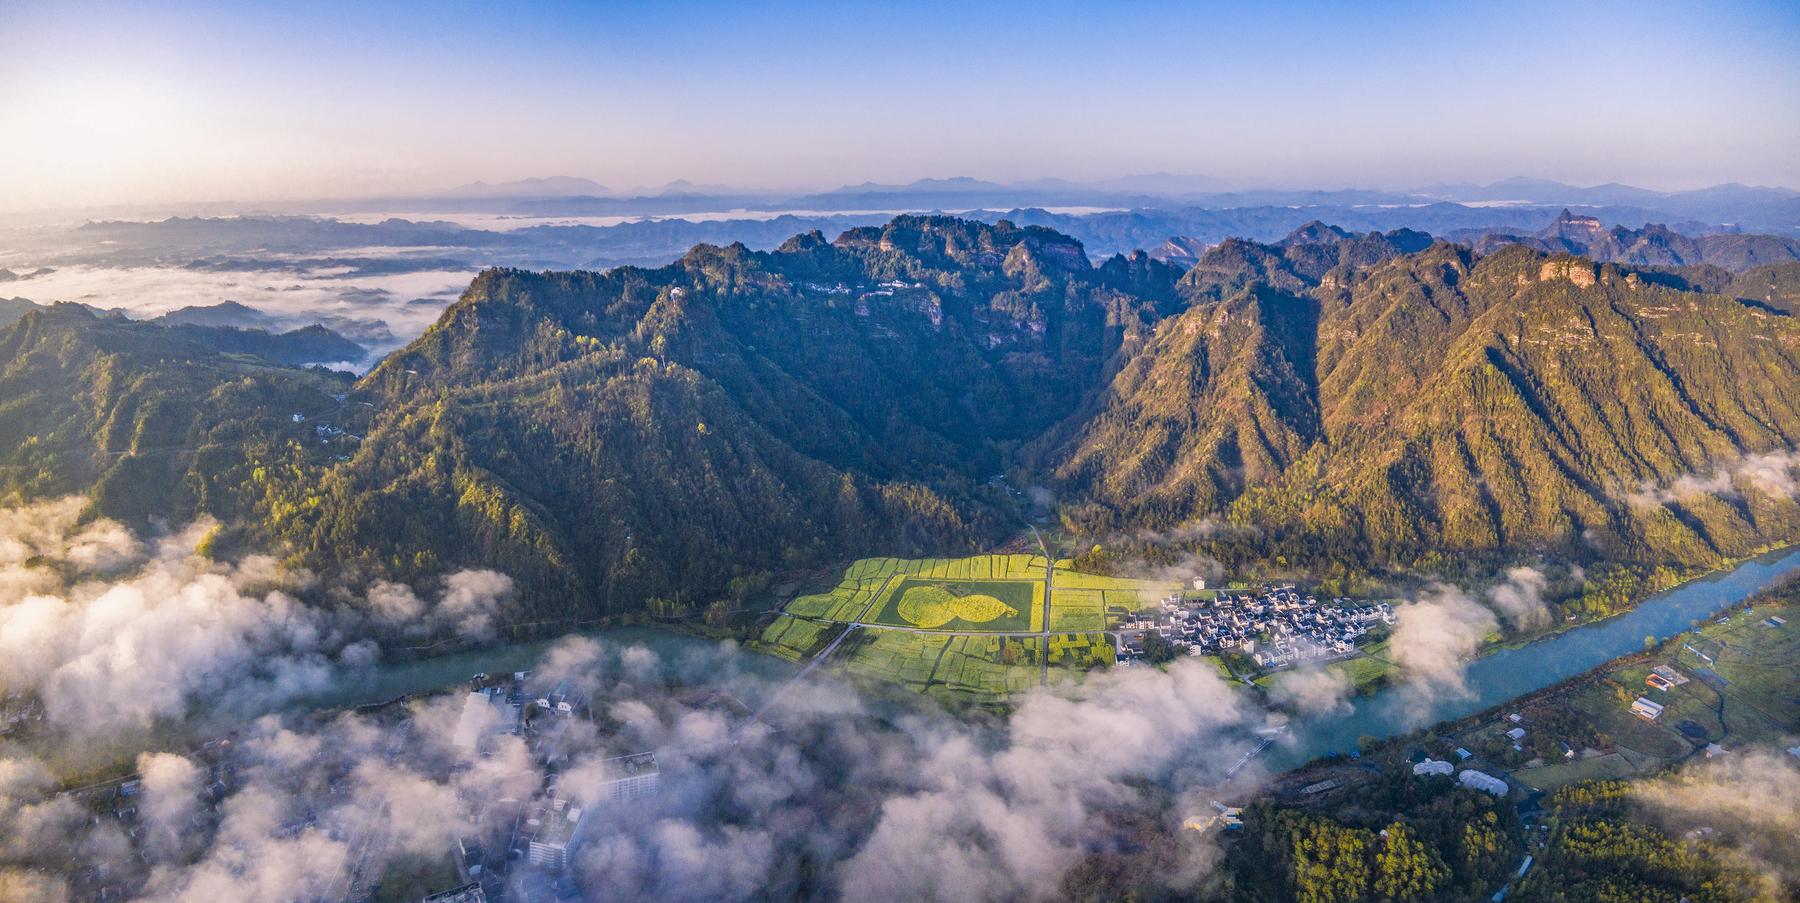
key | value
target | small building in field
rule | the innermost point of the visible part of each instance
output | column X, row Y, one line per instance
column 1646, row 709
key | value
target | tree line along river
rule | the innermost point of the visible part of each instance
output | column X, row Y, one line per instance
column 1489, row 680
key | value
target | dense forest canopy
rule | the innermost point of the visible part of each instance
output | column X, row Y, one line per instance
column 639, row 439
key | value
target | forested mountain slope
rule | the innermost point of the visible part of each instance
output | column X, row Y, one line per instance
column 657, row 433
column 1777, row 286
column 152, row 420
column 658, row 438
column 1441, row 400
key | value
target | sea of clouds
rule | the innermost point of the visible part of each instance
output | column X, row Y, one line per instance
column 111, row 631
column 832, row 795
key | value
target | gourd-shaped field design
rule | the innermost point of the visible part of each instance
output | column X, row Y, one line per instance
column 962, row 629
column 931, row 605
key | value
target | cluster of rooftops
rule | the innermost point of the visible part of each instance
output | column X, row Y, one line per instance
column 1278, row 627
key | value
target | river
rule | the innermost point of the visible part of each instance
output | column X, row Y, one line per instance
column 1509, row 673
column 1490, row 680
column 424, row 675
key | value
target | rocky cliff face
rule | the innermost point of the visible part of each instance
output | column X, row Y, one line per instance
column 1444, row 400
column 644, row 436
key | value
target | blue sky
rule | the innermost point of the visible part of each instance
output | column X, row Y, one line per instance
column 158, row 102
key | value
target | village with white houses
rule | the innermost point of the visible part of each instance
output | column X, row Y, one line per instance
column 1276, row 627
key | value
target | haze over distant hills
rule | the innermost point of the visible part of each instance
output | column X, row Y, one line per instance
column 641, row 436
column 1766, row 208
column 546, row 187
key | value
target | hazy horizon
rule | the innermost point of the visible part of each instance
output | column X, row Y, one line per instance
column 116, row 105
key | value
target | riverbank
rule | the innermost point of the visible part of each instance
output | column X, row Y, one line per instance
column 1559, row 627
column 1371, row 670
column 92, row 760
column 1511, row 673
column 1744, row 695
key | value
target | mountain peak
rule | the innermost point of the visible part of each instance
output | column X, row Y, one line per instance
column 1315, row 232
column 535, row 187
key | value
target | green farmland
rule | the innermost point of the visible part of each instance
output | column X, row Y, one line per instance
column 951, row 669
column 999, row 606
column 961, row 630
column 1748, row 694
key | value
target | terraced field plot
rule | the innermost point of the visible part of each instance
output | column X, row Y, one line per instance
column 792, row 638
column 1074, row 610
column 1080, row 651
column 1095, row 601
column 912, row 609
column 999, row 606
column 955, row 669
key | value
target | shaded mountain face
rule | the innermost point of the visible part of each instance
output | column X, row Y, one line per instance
column 12, row 309
column 913, row 349
column 154, row 421
column 650, row 438
column 1777, row 285
column 655, row 433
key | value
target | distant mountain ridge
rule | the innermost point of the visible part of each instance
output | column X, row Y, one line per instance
column 1652, row 245
column 636, row 440
column 546, row 187
column 1751, row 207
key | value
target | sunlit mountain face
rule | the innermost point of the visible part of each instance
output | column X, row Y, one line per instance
column 921, row 453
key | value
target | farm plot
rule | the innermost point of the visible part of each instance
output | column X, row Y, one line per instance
column 1758, row 661
column 895, row 656
column 795, row 639
column 863, row 582
column 956, row 669
column 1607, row 767
column 869, row 583
column 982, row 669
column 961, row 629
column 961, row 605
column 1610, row 715
column 1080, row 651
column 1082, row 601
column 1077, row 610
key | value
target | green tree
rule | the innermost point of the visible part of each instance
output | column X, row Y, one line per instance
column 1406, row 868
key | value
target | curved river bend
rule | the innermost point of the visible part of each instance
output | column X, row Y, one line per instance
column 1490, row 680
column 1509, row 673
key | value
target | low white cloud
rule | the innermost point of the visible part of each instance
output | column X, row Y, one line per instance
column 169, row 800
column 1774, row 474
column 471, row 601
column 126, row 650
column 1520, row 598
column 1435, row 636
column 468, row 604
column 406, row 302
column 1748, row 801
column 1312, row 691
column 1001, row 809
column 110, row 632
column 1007, row 822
